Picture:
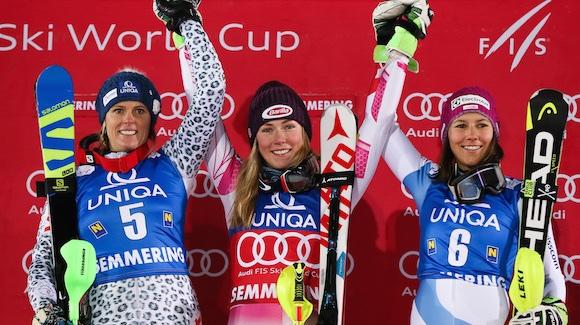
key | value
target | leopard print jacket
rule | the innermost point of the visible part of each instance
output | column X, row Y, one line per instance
column 159, row 299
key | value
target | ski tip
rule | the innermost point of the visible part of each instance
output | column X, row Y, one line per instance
column 337, row 106
column 548, row 92
column 53, row 85
column 53, row 72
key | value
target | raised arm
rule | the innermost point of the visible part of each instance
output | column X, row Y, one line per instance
column 221, row 160
column 380, row 115
column 396, row 35
column 189, row 144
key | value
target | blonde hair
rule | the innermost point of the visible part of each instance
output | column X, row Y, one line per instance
column 247, row 183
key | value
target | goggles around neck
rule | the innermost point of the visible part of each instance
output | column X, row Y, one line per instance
column 471, row 186
column 294, row 180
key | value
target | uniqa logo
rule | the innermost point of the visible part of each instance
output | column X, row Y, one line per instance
column 510, row 31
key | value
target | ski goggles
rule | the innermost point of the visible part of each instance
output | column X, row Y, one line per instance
column 299, row 179
column 471, row 187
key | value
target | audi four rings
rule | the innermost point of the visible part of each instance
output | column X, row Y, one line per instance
column 430, row 105
column 262, row 256
column 179, row 106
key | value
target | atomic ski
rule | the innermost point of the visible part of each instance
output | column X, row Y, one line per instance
column 545, row 124
column 338, row 132
column 74, row 260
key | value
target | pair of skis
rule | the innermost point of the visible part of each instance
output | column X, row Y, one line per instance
column 74, row 260
column 338, row 132
column 545, row 124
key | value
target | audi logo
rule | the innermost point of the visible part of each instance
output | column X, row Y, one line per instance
column 569, row 268
column 212, row 263
column 203, row 186
column 419, row 106
column 178, row 105
column 569, row 188
column 571, row 100
column 271, row 248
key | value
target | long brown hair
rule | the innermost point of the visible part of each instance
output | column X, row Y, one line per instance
column 247, row 183
column 448, row 161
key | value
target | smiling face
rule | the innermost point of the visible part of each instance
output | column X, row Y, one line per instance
column 470, row 137
column 279, row 141
column 127, row 124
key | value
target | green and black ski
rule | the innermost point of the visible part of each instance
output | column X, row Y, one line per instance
column 74, row 260
column 545, row 124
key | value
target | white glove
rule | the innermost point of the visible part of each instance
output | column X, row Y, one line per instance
column 552, row 311
column 398, row 25
column 416, row 11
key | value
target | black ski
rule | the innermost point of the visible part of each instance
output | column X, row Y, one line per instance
column 545, row 124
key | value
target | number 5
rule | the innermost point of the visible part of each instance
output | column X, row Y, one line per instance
column 135, row 231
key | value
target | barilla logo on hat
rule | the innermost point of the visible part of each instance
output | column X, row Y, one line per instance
column 128, row 87
column 112, row 94
column 277, row 111
column 470, row 102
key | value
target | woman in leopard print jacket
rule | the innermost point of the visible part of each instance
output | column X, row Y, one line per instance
column 131, row 202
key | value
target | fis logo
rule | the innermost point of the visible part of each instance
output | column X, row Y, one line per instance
column 431, row 246
column 507, row 37
column 98, row 229
column 167, row 219
column 492, row 253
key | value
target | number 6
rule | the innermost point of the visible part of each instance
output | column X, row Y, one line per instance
column 458, row 247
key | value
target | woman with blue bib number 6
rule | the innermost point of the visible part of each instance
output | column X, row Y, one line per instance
column 469, row 212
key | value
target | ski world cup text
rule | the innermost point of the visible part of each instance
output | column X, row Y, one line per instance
column 233, row 37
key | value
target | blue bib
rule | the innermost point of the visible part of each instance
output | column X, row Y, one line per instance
column 473, row 242
column 135, row 219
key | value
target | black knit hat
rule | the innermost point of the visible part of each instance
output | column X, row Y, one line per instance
column 274, row 101
column 128, row 85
